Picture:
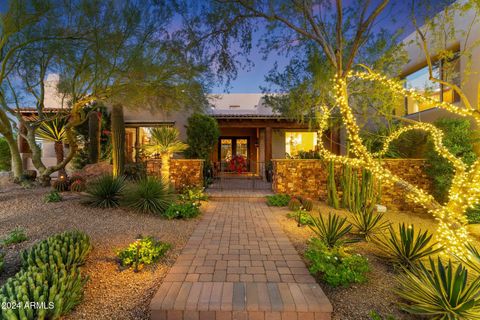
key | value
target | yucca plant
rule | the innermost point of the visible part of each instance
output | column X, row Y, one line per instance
column 55, row 131
column 105, row 192
column 331, row 232
column 406, row 248
column 149, row 196
column 442, row 291
column 165, row 142
column 368, row 223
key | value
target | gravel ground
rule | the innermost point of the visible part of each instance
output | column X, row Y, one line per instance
column 356, row 302
column 110, row 293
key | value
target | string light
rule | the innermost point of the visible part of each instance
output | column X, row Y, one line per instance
column 464, row 193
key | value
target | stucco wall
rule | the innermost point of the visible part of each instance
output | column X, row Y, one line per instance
column 309, row 178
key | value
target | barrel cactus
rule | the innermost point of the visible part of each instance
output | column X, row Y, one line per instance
column 294, row 204
column 78, row 186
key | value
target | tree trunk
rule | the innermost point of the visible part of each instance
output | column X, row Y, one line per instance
column 60, row 156
column 118, row 140
column 93, row 137
column 17, row 164
column 165, row 170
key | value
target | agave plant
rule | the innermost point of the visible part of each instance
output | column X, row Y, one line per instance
column 442, row 291
column 406, row 248
column 165, row 142
column 368, row 223
column 331, row 232
column 472, row 260
column 149, row 196
column 55, row 131
column 105, row 192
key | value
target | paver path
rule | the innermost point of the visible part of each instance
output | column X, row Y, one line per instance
column 239, row 264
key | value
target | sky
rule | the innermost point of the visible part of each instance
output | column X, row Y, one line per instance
column 250, row 81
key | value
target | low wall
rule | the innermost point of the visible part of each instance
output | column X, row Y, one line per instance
column 183, row 172
column 308, row 177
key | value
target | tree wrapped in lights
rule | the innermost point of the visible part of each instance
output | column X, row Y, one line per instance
column 340, row 33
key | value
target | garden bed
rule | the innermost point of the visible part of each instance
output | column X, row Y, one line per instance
column 110, row 292
column 358, row 300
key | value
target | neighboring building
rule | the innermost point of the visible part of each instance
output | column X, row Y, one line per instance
column 465, row 71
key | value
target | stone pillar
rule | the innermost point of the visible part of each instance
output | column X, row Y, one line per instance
column 268, row 144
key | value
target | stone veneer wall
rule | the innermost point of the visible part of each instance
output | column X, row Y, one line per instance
column 308, row 177
column 183, row 172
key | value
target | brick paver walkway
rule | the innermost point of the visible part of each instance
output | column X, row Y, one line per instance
column 239, row 264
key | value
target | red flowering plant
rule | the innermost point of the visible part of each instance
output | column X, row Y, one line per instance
column 238, row 164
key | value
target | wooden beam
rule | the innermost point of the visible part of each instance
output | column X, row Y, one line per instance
column 254, row 123
column 268, row 144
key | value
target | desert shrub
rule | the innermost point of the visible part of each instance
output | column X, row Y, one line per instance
column 331, row 232
column 105, row 192
column 68, row 248
column 17, row 235
column 149, row 195
column 374, row 315
column 278, row 200
column 52, row 196
column 368, row 223
column 334, row 265
column 193, row 194
column 78, row 186
column 473, row 215
column 142, row 252
column 406, row 248
column 61, row 185
column 301, row 216
column 182, row 210
column 440, row 291
column 294, row 204
column 5, row 158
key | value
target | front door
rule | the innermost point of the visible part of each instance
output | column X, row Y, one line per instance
column 230, row 146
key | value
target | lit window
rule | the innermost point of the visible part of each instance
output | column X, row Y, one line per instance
column 421, row 83
column 300, row 141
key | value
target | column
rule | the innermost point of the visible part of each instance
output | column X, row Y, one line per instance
column 268, row 144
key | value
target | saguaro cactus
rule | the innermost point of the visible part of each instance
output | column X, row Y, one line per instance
column 118, row 140
column 93, row 137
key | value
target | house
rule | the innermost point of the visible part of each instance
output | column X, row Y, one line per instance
column 249, row 128
column 460, row 68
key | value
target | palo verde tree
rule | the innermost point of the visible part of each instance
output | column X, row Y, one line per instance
column 339, row 34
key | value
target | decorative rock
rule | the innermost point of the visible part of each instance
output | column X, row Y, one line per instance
column 380, row 208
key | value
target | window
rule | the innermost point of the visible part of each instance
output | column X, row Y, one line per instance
column 300, row 141
column 135, row 138
column 420, row 82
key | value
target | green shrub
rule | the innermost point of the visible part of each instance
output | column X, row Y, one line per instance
column 5, row 158
column 194, row 194
column 68, row 248
column 142, row 252
column 278, row 200
column 367, row 223
column 202, row 136
column 60, row 288
column 335, row 266
column 149, row 195
column 441, row 291
column 294, row 204
column 301, row 217
column 331, row 232
column 473, row 215
column 374, row 315
column 17, row 235
column 458, row 138
column 52, row 196
column 78, row 186
column 182, row 210
column 407, row 248
column 105, row 192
